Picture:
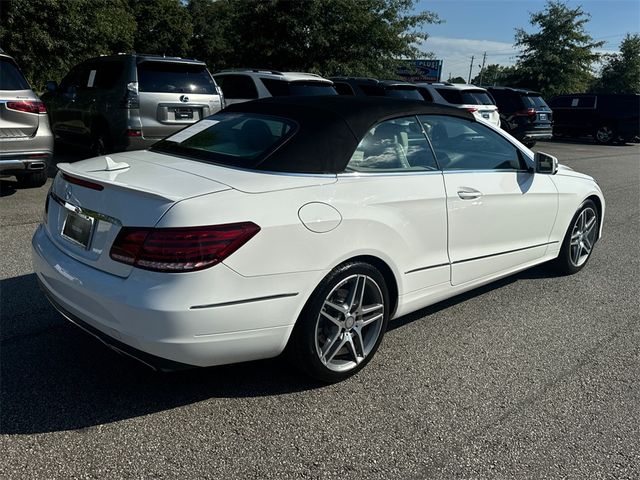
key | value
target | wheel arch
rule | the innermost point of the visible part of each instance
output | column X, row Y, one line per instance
column 599, row 207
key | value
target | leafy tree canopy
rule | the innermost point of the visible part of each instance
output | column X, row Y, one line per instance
column 345, row 37
column 621, row 72
column 48, row 37
column 163, row 27
column 558, row 58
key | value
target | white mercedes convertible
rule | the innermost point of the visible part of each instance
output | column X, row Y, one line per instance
column 301, row 225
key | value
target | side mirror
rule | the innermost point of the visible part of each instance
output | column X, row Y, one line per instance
column 51, row 86
column 546, row 163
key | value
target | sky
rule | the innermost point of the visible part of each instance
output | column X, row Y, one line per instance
column 471, row 27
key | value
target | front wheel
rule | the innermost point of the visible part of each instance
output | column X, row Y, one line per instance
column 579, row 240
column 343, row 323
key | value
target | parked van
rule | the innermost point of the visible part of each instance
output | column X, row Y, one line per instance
column 128, row 102
column 608, row 117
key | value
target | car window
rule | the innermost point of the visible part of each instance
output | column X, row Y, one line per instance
column 235, row 139
column 426, row 96
column 476, row 97
column 462, row 144
column 410, row 93
column 10, row 76
column 560, row 102
column 106, row 74
column 372, row 90
column 343, row 88
column 167, row 77
column 397, row 145
column 583, row 102
column 450, row 95
column 75, row 80
column 534, row 101
column 282, row 88
column 236, row 87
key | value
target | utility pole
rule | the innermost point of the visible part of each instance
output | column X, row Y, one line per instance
column 484, row 59
column 470, row 68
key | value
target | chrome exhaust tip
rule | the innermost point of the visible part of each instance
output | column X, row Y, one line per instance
column 36, row 166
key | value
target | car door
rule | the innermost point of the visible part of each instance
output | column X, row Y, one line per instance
column 67, row 111
column 393, row 179
column 500, row 214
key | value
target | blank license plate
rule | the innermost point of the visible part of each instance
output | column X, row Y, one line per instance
column 543, row 116
column 78, row 228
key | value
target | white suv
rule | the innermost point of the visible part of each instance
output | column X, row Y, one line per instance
column 244, row 85
column 474, row 99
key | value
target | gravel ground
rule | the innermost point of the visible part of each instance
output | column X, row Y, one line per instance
column 534, row 376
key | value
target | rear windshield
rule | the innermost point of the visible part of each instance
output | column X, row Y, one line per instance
column 165, row 77
column 281, row 88
column 233, row 139
column 407, row 92
column 534, row 101
column 465, row 97
column 10, row 76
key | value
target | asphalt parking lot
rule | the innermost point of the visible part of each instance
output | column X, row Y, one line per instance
column 535, row 376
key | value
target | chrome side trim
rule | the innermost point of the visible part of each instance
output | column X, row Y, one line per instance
column 503, row 253
column 427, row 268
column 247, row 300
column 389, row 174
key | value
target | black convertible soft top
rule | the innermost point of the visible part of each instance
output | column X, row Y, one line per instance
column 330, row 127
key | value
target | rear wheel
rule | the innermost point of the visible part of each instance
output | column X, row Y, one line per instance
column 343, row 323
column 33, row 179
column 604, row 135
column 579, row 240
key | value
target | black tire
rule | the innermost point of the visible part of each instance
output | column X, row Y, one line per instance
column 100, row 141
column 304, row 349
column 604, row 135
column 566, row 263
column 32, row 180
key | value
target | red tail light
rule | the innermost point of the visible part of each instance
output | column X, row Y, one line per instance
column 29, row 106
column 529, row 112
column 82, row 183
column 472, row 109
column 180, row 249
column 130, row 132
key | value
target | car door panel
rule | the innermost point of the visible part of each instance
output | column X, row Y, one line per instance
column 500, row 214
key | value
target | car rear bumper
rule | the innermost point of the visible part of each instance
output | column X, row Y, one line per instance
column 150, row 321
column 12, row 163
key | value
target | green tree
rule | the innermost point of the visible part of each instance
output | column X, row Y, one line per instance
column 212, row 40
column 621, row 71
column 456, row 80
column 558, row 58
column 347, row 37
column 48, row 37
column 163, row 27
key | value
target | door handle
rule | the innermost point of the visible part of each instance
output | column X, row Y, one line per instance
column 466, row 193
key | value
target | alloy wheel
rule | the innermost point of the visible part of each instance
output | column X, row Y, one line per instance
column 349, row 323
column 583, row 237
column 604, row 134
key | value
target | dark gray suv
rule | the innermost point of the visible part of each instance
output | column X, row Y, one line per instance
column 26, row 142
column 129, row 102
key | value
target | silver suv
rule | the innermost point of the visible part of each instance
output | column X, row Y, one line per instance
column 129, row 102
column 26, row 142
column 242, row 85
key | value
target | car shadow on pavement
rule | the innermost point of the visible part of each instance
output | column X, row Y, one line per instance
column 7, row 187
column 55, row 377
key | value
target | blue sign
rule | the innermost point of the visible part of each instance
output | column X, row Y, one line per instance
column 420, row 70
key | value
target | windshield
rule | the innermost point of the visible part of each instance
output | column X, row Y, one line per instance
column 233, row 139
column 10, row 76
column 169, row 77
column 410, row 93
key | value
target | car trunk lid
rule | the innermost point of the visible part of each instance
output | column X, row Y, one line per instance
column 91, row 200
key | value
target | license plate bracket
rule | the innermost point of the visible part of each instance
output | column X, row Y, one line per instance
column 78, row 229
column 183, row 113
